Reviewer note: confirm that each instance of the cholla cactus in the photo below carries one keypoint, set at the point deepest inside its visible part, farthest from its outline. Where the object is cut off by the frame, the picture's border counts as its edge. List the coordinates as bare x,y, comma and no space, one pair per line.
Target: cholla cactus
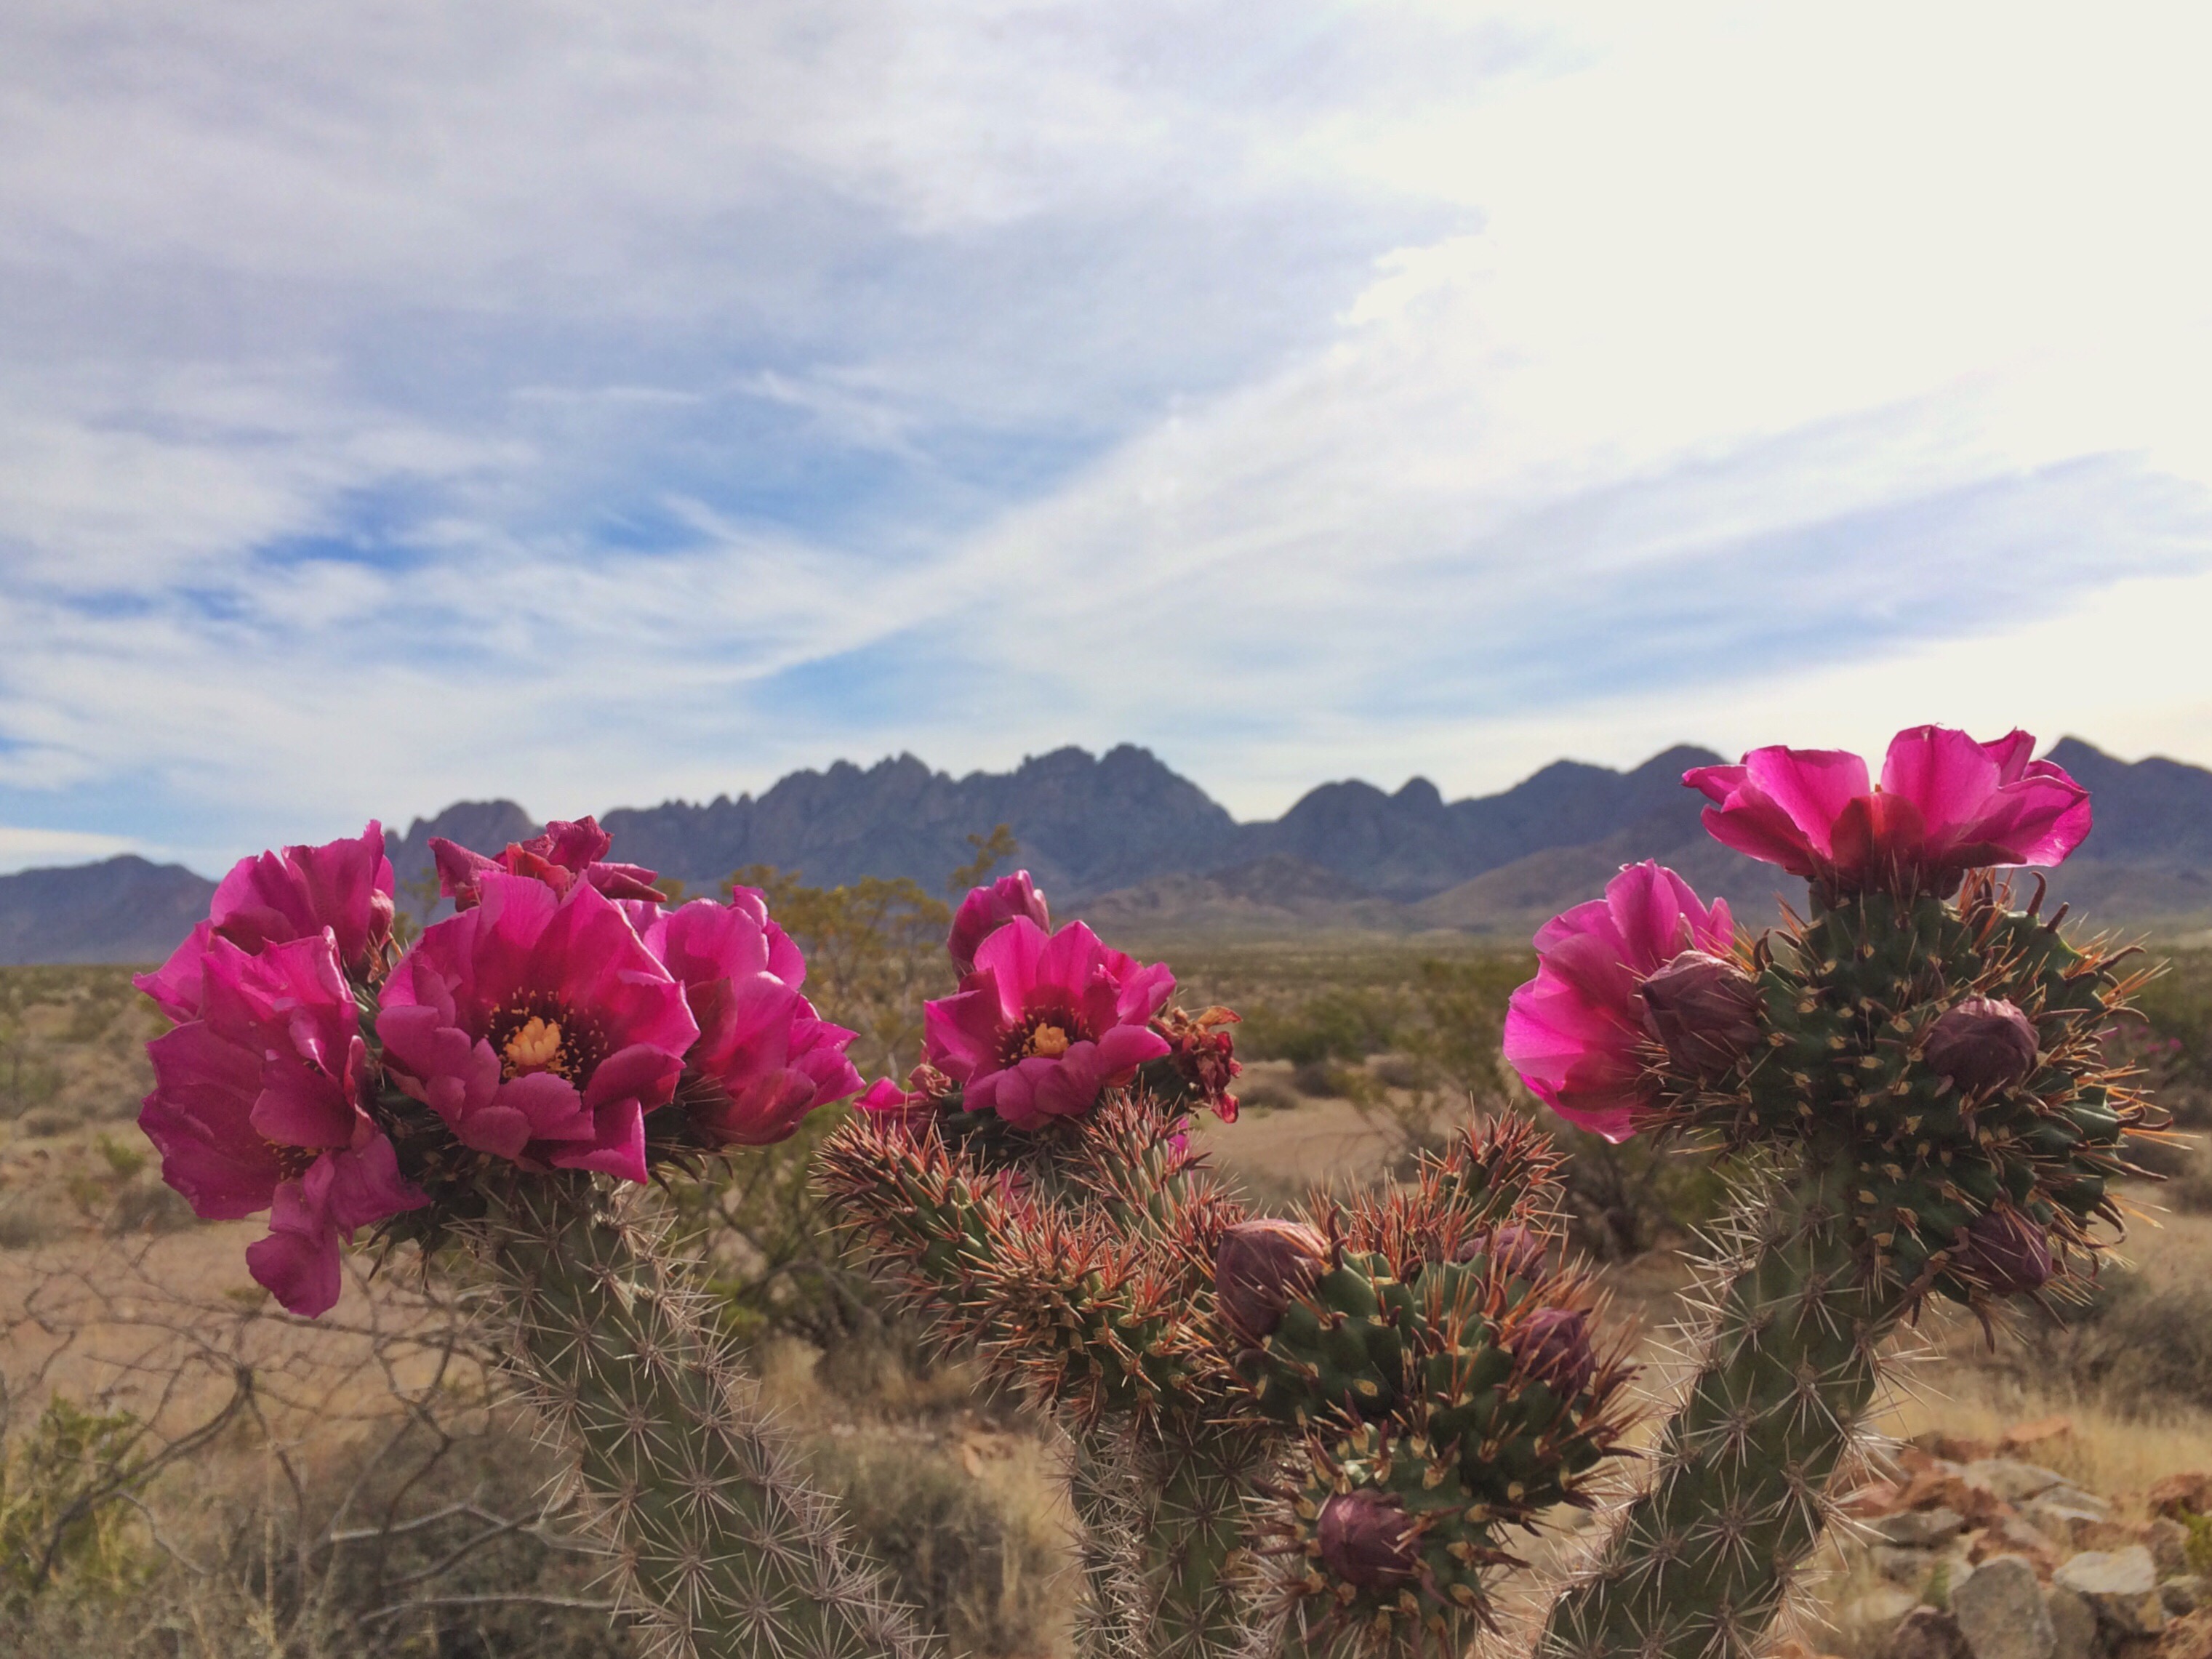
1317,1427
506,1084
1916,1068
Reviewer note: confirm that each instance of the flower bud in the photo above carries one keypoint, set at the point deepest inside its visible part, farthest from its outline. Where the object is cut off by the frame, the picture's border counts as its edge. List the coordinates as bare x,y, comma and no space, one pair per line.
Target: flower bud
2008,1252
1521,1251
1982,1045
1261,1268
1366,1539
1552,1346
1705,1010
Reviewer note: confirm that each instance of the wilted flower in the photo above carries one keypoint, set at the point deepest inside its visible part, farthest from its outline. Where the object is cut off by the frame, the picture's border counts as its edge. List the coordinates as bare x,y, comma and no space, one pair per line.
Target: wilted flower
2007,1252
274,898
1946,804
1705,1010
1573,1032
986,909
565,852
1201,1060
1046,1022
1552,1346
764,1058
1982,1045
257,1105
1366,1539
1261,1269
539,1027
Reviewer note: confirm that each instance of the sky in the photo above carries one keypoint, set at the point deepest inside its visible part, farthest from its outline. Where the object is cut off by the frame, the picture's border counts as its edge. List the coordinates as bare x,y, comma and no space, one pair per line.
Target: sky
402,402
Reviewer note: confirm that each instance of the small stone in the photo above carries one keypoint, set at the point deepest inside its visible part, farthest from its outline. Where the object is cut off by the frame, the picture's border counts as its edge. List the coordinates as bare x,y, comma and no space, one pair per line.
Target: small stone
1925,1633
2074,1627
2001,1613
2189,1636
1919,1528
2011,1479
2042,1430
2067,1523
2121,1586
1903,1564
2181,1594
1876,1610
2011,1535
2168,1544
2192,1491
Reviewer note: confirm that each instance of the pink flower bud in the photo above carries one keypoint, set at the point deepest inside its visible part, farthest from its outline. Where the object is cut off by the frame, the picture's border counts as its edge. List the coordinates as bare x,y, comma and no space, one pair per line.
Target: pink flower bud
1982,1045
1366,1539
1261,1268
1552,1346
1521,1251
1705,1010
2008,1252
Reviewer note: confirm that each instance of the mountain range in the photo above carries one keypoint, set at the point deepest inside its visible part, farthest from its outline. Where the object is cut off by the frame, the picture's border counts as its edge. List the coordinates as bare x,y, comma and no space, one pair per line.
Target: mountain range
1126,843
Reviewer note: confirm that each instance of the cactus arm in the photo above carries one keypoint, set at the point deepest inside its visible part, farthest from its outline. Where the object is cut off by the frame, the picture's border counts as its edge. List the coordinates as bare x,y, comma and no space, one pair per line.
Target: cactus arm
719,1542
1698,1565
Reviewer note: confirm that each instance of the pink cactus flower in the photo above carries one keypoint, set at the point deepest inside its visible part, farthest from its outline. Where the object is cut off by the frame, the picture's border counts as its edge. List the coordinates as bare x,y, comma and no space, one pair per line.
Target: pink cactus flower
538,1026
764,1059
888,1106
1946,804
565,851
1046,1022
257,1105
275,897
1573,1031
986,909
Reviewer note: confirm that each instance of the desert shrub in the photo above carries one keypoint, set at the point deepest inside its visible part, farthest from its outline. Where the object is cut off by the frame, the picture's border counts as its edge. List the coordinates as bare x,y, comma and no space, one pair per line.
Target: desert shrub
1335,1024
986,1566
2145,1347
58,1522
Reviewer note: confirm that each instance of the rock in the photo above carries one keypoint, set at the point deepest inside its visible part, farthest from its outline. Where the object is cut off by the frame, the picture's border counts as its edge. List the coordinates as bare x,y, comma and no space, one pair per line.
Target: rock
2001,1613
2192,1491
2073,1624
2066,1524
2012,1535
2188,1638
1921,1529
1875,1498
2010,1480
1903,1565
2167,1541
2043,1430
1925,1633
1875,1610
2121,1587
2181,1594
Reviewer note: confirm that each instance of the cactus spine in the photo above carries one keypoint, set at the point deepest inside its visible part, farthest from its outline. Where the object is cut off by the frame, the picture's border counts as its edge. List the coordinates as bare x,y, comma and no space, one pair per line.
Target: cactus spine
720,1543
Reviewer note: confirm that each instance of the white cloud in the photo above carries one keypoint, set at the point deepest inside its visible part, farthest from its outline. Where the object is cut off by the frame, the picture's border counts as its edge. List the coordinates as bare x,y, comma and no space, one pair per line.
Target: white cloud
31,849
401,404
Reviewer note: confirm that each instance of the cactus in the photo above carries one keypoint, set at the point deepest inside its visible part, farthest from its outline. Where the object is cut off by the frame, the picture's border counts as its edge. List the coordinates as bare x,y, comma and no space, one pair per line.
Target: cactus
1897,1180
721,1546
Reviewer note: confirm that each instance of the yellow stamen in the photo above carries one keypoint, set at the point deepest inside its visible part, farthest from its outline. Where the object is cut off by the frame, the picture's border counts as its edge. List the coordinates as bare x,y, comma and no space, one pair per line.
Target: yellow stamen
536,1048
1049,1041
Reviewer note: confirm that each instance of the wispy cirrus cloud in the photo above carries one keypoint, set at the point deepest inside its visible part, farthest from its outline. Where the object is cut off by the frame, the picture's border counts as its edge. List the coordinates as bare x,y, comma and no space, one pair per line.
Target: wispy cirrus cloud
594,406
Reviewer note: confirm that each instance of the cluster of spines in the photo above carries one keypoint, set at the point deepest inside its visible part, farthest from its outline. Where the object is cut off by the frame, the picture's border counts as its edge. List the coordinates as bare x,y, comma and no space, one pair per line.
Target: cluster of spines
719,1546
1406,1367
1058,1294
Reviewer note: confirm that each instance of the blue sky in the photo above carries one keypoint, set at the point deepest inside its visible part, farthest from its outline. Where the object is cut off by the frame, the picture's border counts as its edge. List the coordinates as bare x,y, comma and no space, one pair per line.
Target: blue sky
595,404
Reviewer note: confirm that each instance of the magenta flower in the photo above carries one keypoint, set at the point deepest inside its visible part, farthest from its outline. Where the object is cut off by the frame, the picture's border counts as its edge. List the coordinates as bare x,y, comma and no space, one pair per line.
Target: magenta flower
888,1106
276,898
1573,1032
1946,804
565,851
986,909
538,1026
1046,1022
764,1059
257,1103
